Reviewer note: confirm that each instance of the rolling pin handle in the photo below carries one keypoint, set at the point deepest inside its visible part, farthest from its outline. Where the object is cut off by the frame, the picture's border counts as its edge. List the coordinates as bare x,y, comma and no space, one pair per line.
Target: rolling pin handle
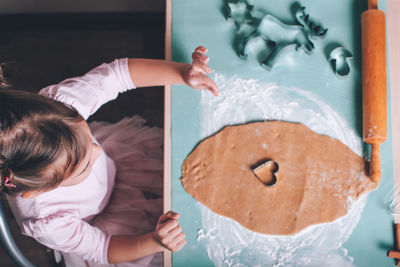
375,164
372,4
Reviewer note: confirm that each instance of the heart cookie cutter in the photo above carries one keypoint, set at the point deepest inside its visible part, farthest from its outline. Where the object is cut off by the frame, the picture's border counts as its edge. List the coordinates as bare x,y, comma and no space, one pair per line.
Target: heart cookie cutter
266,172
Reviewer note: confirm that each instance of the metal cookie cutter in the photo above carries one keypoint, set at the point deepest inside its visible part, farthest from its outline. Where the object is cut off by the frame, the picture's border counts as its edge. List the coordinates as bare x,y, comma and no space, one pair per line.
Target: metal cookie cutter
279,36
254,25
316,30
339,60
239,12
269,62
266,172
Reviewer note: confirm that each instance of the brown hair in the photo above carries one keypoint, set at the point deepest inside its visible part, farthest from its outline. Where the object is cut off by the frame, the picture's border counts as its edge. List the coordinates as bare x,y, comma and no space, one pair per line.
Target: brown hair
40,141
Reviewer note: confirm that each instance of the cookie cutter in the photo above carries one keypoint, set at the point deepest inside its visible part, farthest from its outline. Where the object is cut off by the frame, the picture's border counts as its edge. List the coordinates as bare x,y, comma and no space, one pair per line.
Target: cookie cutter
239,12
279,37
266,172
269,62
316,30
339,60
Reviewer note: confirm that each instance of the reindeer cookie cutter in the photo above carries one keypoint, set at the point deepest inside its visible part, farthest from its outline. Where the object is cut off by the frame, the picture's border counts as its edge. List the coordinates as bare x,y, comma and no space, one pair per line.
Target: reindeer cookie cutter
278,36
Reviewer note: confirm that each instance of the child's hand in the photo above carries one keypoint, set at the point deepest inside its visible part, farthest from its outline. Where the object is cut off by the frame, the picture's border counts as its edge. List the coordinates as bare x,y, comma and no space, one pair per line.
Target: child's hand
195,75
169,233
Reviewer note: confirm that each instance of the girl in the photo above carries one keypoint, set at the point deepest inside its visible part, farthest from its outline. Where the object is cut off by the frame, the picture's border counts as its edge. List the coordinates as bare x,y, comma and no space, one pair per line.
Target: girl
59,180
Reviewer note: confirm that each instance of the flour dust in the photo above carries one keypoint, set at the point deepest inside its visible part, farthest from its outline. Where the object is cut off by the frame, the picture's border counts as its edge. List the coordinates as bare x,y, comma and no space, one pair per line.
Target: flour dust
230,244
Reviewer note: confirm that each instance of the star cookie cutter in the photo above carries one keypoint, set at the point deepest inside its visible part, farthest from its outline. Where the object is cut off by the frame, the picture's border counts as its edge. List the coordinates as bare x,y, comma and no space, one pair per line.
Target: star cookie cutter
239,12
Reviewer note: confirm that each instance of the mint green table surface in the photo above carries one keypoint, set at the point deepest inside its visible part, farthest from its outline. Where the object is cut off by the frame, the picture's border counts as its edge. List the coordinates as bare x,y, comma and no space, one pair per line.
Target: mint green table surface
203,23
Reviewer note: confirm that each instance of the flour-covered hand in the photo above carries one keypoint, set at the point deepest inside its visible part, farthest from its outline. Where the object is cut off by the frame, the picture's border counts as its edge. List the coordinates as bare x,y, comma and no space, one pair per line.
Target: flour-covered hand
168,232
195,75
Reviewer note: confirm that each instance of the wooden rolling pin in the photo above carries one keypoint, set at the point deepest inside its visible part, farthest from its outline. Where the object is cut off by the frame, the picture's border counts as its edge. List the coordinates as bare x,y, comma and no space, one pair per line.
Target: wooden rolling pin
373,41
396,253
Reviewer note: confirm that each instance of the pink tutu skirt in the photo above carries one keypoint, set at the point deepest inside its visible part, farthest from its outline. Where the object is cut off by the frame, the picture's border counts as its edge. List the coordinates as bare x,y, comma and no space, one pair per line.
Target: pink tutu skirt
136,202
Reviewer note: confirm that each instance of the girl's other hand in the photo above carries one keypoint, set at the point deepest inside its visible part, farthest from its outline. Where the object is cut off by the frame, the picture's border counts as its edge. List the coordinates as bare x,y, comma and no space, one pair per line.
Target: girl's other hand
168,232
195,75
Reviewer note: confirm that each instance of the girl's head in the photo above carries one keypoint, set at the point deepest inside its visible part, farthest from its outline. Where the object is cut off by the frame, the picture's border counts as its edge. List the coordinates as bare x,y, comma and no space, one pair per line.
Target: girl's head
41,142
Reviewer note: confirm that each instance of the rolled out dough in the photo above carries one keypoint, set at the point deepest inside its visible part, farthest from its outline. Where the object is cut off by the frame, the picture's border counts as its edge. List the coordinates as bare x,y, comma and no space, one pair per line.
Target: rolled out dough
318,178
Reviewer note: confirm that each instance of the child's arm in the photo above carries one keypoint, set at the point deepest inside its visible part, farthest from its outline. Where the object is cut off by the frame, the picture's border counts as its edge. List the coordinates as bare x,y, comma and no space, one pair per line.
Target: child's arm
168,235
151,72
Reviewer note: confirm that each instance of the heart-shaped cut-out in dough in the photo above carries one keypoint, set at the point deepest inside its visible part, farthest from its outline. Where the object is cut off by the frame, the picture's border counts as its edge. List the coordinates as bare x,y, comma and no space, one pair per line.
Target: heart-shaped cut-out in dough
319,177
267,172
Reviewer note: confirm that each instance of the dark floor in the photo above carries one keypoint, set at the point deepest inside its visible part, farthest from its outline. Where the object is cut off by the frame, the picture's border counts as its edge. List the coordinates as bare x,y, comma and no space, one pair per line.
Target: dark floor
39,50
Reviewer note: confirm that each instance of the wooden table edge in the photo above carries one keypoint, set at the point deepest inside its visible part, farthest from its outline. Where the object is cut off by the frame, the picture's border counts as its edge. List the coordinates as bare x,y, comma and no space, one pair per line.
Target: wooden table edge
167,255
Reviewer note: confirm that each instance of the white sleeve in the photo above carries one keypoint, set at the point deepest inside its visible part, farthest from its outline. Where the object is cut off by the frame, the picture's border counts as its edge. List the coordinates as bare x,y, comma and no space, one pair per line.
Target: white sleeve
90,91
68,233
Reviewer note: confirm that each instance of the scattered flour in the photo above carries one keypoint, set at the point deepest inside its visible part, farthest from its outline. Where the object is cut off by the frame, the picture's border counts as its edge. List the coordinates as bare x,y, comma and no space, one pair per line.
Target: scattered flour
230,244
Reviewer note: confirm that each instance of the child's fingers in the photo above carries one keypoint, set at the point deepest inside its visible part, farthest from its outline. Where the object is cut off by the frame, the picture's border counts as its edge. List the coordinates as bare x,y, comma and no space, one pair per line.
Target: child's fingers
168,215
213,90
205,83
180,245
163,218
201,49
173,237
170,237
175,242
195,76
178,238
175,232
200,66
201,57
167,226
